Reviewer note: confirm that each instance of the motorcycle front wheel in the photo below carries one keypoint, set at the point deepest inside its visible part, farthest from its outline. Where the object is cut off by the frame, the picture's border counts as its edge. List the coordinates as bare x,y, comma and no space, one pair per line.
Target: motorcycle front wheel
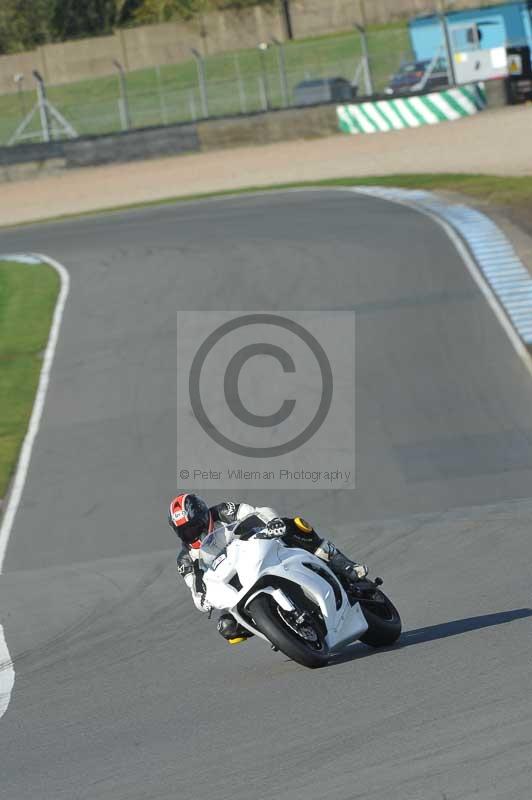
304,644
384,622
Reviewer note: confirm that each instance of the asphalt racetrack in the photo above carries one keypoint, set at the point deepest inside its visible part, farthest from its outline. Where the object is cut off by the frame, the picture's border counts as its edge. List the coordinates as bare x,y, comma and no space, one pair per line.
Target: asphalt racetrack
123,690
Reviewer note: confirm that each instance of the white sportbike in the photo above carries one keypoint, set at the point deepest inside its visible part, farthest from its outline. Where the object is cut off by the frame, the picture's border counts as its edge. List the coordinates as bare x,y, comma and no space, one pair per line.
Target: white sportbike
291,599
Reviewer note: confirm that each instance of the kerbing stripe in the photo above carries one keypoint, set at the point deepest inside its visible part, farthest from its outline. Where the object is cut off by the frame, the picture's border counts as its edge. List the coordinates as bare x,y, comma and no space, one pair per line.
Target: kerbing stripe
406,113
440,116
361,120
378,119
473,98
446,109
346,124
460,98
450,99
371,126
421,106
387,111
395,107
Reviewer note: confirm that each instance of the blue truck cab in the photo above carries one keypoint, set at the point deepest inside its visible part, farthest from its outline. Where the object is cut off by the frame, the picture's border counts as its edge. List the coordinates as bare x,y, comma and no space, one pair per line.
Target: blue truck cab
485,43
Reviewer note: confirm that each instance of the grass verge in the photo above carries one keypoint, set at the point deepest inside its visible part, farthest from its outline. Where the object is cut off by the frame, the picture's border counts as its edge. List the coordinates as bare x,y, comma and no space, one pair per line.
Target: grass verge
494,190
28,293
490,189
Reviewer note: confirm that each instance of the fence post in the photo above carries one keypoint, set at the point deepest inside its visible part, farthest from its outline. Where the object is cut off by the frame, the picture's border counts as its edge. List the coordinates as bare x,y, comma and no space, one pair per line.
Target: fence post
120,33
365,58
19,80
123,103
241,89
162,104
262,48
43,109
200,66
192,105
448,48
281,61
287,17
262,93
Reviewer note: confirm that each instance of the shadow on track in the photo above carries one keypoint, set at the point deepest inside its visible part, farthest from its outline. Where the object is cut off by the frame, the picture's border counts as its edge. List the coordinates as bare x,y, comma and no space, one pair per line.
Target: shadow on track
434,632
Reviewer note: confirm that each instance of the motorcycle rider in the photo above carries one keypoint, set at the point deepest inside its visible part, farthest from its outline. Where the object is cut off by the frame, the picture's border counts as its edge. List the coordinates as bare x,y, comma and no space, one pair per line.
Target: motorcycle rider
197,525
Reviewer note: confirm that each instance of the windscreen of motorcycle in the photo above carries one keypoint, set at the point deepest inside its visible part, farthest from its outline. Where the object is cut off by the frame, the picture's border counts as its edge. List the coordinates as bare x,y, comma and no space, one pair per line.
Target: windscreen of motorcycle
214,544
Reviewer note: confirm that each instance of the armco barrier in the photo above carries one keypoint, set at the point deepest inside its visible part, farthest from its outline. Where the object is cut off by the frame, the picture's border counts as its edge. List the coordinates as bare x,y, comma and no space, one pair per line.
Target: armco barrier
395,114
28,161
31,160
137,145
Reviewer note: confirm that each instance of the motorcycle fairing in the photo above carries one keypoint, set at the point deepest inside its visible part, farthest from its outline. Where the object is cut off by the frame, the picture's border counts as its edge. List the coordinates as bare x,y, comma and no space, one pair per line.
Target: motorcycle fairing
258,559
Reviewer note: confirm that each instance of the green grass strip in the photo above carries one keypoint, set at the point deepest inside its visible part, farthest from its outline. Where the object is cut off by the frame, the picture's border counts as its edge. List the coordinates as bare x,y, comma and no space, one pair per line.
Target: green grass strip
490,189
28,293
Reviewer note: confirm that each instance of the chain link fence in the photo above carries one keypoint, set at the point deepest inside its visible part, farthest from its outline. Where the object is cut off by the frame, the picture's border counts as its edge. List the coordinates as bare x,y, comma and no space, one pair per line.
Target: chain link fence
267,77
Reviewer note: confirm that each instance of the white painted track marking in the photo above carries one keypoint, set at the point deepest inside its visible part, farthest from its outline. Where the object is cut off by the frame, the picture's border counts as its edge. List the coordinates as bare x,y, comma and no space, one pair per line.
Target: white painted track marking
7,672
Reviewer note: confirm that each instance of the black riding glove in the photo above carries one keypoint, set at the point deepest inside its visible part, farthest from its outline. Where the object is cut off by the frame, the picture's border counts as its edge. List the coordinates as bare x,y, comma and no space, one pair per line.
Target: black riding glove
275,528
227,511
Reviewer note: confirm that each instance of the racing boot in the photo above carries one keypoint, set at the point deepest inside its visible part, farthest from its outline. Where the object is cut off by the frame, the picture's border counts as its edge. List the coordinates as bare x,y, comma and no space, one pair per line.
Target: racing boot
232,632
346,570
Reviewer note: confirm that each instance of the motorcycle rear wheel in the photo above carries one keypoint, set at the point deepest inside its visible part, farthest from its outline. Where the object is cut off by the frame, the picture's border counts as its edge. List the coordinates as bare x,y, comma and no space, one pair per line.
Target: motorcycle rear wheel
384,622
268,620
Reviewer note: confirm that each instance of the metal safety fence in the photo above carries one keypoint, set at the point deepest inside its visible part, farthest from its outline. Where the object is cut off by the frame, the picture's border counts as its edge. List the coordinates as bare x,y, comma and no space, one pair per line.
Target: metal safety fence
273,75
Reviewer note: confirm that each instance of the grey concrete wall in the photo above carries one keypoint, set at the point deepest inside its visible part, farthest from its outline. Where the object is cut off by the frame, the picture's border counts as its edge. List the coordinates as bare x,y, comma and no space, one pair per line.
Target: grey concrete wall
29,170
28,161
133,146
25,161
496,93
141,47
277,126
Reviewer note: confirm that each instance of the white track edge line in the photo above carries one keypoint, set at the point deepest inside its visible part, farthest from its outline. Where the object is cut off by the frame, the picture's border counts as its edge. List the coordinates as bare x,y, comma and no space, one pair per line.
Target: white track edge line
7,671
23,463
472,266
7,674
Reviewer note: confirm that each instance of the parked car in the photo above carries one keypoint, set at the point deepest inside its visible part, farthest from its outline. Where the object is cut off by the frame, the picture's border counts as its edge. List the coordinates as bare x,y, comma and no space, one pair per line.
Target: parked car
410,77
323,90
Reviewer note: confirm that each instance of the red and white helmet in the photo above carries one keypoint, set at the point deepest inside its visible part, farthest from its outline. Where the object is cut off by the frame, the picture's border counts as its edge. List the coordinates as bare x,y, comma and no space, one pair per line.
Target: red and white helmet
190,518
